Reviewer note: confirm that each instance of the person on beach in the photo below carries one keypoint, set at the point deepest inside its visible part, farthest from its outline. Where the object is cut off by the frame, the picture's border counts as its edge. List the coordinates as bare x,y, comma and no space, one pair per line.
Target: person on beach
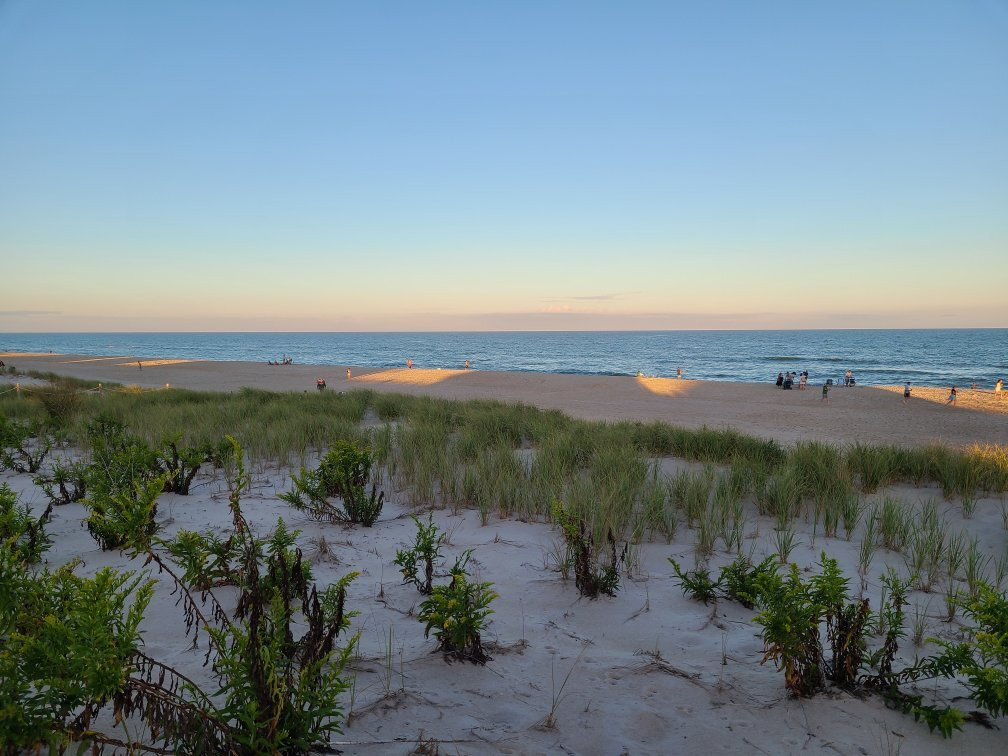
825,392
320,383
409,364
780,380
467,364
997,388
139,365
802,380
678,373
906,392
348,374
951,397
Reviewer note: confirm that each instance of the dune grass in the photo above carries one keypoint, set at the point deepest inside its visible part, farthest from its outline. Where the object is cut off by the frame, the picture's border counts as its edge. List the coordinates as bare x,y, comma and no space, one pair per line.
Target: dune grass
514,461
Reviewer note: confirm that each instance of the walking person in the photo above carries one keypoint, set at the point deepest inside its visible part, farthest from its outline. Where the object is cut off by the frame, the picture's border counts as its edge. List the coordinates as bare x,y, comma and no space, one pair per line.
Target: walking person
951,397
997,389
906,392
678,373
825,391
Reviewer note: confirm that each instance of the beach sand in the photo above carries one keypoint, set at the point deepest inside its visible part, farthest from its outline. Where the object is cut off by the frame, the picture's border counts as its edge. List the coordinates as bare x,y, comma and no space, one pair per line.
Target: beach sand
863,413
650,671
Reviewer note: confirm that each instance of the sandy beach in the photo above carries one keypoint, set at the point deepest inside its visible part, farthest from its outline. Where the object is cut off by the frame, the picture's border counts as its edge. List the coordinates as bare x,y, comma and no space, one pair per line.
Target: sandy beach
863,413
646,672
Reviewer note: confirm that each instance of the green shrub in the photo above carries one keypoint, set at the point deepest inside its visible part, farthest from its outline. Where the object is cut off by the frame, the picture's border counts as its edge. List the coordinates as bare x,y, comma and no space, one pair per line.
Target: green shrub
791,612
66,646
70,478
125,518
457,613
696,583
425,553
24,445
343,473
740,580
20,533
594,572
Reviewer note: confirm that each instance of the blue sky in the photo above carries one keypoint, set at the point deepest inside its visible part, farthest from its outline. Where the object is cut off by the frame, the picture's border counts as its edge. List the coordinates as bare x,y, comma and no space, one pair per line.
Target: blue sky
546,165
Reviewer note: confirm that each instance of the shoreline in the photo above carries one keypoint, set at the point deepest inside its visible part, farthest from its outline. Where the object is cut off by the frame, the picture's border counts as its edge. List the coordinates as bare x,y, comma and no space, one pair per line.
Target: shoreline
873,414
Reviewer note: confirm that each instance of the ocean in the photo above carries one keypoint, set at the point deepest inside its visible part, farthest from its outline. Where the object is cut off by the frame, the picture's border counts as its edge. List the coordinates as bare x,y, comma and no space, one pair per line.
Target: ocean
929,357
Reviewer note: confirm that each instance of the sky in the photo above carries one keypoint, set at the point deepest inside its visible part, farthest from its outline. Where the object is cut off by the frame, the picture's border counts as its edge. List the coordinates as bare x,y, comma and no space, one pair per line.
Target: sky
356,166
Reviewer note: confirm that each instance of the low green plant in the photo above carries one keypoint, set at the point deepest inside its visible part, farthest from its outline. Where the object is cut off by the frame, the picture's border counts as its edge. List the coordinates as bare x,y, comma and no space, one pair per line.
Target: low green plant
24,445
67,646
125,519
696,583
343,473
792,611
65,483
457,614
740,581
425,552
277,693
181,464
20,532
207,560
594,572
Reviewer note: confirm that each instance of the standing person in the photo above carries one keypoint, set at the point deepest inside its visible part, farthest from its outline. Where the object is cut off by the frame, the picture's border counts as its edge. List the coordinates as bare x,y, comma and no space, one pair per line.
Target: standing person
780,380
906,392
409,363
467,364
348,374
678,373
825,392
139,365
951,397
997,389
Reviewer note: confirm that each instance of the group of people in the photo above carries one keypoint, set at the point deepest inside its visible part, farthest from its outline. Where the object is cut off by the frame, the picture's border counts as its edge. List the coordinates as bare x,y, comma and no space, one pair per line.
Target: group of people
285,361
787,380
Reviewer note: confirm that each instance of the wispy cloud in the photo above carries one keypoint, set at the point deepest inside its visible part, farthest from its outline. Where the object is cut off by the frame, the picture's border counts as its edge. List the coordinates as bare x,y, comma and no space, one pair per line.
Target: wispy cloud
22,313
588,298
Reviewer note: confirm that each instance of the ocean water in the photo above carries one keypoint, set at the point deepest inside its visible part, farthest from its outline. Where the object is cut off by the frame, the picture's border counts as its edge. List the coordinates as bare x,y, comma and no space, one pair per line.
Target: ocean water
924,357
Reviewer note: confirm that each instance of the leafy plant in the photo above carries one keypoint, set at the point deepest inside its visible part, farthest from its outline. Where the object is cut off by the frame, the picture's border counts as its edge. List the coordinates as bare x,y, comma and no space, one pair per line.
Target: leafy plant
24,445
125,518
180,465
593,574
740,580
424,554
21,533
457,613
208,561
279,693
67,646
69,477
697,583
343,473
